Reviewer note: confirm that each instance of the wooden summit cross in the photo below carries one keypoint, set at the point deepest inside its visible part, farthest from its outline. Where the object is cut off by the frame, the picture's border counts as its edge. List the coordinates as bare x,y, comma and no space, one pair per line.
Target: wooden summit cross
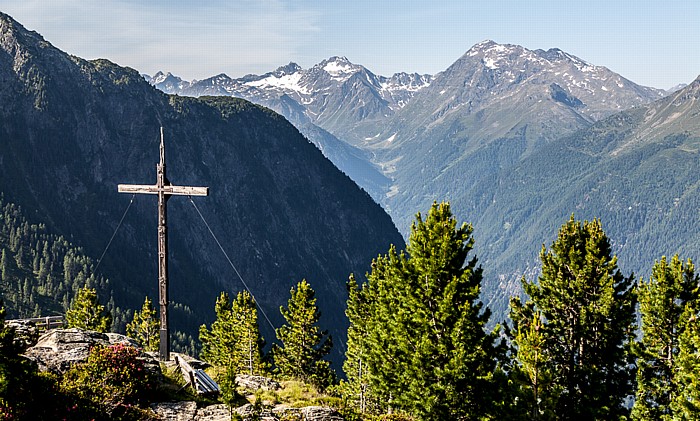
164,190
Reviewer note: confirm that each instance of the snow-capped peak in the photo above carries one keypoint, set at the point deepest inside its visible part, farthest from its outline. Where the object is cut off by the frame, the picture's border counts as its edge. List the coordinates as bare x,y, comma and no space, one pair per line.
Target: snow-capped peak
160,77
287,69
339,67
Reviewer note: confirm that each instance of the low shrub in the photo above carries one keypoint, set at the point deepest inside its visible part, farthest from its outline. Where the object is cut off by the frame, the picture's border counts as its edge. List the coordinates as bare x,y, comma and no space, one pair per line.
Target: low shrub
112,381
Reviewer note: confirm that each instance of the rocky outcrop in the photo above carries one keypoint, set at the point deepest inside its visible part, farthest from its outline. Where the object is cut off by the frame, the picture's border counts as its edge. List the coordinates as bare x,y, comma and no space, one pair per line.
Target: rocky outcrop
26,332
58,349
256,382
187,411
175,411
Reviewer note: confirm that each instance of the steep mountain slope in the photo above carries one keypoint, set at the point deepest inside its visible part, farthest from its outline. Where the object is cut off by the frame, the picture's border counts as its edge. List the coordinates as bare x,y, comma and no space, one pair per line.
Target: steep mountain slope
71,130
492,106
330,103
636,170
519,139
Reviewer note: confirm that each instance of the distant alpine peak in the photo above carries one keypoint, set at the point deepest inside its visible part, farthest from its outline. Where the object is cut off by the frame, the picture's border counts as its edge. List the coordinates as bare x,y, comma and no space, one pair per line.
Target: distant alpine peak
287,69
491,47
338,66
495,55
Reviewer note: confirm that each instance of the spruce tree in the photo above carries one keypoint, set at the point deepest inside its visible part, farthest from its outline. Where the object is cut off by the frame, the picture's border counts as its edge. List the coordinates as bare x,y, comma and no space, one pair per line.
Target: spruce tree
87,313
587,322
423,344
145,327
303,343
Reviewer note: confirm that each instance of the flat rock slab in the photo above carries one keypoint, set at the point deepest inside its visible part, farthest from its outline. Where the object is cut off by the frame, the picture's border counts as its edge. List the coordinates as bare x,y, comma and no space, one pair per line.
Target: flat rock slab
256,382
58,349
176,411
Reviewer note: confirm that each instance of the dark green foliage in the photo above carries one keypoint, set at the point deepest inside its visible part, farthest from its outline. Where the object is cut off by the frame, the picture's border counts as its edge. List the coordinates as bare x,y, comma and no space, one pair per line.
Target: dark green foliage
686,402
227,382
98,126
24,394
145,328
12,370
234,340
86,312
419,328
109,382
303,343
41,272
666,304
573,334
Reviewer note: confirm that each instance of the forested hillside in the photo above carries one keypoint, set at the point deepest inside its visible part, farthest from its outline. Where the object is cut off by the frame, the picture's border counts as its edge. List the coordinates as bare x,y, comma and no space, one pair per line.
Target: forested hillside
71,130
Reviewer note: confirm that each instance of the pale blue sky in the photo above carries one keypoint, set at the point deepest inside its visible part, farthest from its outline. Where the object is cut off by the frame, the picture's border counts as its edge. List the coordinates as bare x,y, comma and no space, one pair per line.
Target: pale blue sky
654,43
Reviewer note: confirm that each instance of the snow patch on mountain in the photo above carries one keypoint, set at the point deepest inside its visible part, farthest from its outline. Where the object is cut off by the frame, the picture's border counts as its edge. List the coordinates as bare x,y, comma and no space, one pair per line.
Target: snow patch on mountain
284,82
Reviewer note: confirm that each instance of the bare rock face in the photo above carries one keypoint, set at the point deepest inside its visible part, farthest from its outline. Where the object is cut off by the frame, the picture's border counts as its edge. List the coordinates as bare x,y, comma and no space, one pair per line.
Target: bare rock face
58,349
308,413
218,412
187,411
25,331
175,411
256,382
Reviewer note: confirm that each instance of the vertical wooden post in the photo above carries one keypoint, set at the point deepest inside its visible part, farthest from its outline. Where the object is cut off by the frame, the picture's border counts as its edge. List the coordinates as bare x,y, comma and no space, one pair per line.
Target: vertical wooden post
162,255
164,190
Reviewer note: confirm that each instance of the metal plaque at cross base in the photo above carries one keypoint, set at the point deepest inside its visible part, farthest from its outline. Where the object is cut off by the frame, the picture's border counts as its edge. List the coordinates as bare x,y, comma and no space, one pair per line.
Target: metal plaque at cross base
164,190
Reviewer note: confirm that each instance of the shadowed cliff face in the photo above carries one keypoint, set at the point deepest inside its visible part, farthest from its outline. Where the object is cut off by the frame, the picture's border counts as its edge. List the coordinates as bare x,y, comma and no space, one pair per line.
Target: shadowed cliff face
71,130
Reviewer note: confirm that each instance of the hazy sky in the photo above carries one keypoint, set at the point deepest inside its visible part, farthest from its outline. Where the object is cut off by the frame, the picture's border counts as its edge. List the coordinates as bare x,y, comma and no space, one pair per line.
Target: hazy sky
654,43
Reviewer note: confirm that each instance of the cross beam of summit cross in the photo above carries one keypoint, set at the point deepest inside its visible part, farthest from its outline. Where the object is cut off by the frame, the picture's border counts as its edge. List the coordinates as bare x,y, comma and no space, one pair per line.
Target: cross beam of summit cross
164,190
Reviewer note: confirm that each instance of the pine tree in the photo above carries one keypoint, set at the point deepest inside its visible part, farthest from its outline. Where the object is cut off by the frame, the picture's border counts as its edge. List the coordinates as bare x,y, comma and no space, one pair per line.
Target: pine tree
87,313
356,387
303,344
686,402
217,342
4,267
247,354
145,327
662,302
234,340
587,313
532,375
424,343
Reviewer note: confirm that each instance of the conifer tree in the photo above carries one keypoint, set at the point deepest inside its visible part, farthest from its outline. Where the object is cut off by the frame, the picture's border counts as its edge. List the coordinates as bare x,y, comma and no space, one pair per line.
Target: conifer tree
587,323
145,327
234,340
303,343
217,342
686,402
247,355
662,303
87,313
4,266
356,387
424,343
532,376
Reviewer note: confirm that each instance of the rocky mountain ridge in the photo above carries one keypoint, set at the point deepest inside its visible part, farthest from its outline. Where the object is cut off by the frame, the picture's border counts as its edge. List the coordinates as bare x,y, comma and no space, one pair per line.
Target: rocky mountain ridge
73,129
467,135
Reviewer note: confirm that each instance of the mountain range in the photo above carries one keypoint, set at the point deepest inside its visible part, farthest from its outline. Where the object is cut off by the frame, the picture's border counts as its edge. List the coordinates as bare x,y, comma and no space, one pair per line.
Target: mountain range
512,137
72,129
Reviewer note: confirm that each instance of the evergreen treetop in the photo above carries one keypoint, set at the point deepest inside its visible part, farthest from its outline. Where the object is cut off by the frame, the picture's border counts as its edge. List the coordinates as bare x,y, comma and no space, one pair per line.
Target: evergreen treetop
303,343
86,312
587,319
418,327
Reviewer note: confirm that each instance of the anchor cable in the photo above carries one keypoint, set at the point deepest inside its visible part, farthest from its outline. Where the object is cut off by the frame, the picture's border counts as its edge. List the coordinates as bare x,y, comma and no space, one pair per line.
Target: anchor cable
114,233
232,265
